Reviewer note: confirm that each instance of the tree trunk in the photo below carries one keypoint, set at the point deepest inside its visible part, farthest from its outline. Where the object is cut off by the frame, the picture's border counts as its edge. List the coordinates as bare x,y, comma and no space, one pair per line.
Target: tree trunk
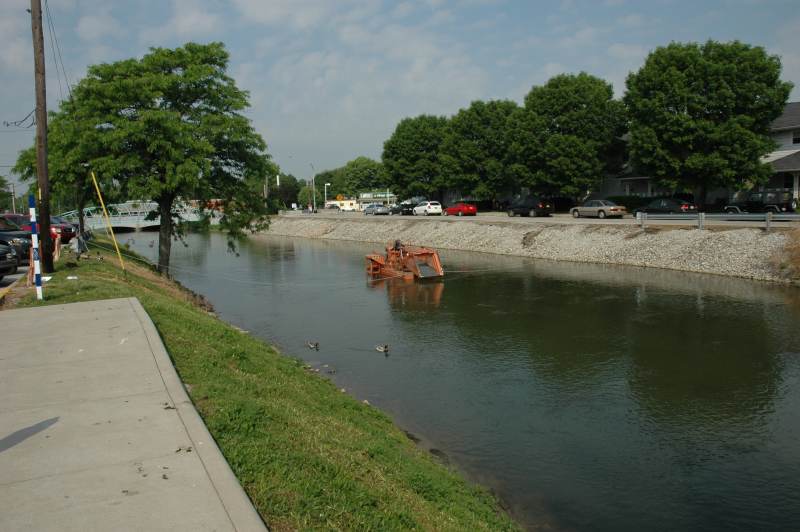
164,234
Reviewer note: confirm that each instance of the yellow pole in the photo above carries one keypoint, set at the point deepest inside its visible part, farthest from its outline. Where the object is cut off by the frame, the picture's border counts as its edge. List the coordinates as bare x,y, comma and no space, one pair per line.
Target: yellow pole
108,221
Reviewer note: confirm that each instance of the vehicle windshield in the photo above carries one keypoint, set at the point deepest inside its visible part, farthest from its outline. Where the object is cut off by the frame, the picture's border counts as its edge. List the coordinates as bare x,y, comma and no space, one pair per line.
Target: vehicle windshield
608,203
434,203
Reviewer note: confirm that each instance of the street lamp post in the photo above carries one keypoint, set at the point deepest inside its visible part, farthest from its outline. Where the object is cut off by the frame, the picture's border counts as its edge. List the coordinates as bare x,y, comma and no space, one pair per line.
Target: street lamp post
326,195
313,188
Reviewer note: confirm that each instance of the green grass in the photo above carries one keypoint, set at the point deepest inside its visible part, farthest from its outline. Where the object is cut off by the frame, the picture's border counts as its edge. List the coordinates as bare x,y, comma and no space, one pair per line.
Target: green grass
309,456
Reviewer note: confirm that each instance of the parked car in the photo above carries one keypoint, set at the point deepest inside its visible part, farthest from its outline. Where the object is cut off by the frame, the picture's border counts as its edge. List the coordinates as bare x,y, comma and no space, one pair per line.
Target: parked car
531,206
12,235
404,208
668,206
66,230
62,220
375,209
8,260
461,209
776,201
599,209
428,208
333,207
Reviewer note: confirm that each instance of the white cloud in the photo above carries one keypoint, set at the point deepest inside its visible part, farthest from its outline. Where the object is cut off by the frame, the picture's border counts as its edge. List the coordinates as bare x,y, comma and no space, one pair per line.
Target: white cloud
785,47
191,18
628,52
582,38
16,50
299,14
633,20
97,26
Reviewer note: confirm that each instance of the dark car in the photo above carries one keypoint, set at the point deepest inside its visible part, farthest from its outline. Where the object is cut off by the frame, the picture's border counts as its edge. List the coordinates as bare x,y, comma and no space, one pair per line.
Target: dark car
668,206
65,230
12,235
8,260
405,208
776,201
531,206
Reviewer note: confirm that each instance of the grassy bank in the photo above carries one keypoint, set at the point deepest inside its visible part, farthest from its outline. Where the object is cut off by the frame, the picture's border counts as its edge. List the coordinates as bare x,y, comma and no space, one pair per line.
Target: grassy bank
308,455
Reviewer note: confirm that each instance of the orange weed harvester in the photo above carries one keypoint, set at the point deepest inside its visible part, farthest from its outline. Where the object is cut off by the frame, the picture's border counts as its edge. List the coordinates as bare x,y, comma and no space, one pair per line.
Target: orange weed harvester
408,262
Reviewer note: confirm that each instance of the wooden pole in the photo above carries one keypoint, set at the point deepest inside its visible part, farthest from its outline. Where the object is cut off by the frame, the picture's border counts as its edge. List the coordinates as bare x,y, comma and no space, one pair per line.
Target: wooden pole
41,137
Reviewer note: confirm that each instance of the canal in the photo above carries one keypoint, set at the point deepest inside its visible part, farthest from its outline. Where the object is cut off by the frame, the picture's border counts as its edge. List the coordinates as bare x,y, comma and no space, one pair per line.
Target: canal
587,397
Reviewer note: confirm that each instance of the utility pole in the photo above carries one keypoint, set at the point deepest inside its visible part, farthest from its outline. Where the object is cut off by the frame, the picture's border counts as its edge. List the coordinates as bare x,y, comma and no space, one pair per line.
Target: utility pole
13,199
43,216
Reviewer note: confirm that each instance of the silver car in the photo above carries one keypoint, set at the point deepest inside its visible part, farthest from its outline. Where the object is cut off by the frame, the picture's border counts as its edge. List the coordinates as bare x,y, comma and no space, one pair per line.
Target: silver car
599,209
375,209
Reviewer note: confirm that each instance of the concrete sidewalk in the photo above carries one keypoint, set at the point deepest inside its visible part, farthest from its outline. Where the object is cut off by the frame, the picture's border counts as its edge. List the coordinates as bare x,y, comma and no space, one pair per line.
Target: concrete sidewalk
97,432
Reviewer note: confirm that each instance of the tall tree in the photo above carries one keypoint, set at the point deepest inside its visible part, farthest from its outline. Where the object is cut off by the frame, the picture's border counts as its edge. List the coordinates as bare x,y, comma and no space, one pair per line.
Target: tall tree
172,129
576,136
287,191
5,194
305,197
700,114
474,152
363,174
411,156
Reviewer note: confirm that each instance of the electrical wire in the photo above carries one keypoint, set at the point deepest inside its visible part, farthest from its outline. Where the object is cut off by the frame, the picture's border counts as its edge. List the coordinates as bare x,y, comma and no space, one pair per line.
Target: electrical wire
59,58
53,48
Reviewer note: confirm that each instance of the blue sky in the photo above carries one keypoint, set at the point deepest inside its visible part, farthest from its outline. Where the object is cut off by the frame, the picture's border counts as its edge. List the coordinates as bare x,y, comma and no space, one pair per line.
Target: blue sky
330,79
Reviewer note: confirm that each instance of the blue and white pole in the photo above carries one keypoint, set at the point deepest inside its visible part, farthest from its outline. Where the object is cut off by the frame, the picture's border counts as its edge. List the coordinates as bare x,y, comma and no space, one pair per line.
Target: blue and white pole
37,266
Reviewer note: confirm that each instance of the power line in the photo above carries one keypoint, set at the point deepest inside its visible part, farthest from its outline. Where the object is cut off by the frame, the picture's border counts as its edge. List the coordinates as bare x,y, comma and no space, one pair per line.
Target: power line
58,47
19,123
50,32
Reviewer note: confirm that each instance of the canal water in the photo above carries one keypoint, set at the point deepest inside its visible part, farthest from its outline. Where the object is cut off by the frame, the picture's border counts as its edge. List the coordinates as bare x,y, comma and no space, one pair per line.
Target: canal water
587,397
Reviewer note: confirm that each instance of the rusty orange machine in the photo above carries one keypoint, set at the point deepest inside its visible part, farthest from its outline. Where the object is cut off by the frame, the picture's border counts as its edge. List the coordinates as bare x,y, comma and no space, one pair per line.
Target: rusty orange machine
408,262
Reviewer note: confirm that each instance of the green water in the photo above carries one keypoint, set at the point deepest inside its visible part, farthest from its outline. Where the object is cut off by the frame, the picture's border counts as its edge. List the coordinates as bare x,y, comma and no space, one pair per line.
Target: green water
587,397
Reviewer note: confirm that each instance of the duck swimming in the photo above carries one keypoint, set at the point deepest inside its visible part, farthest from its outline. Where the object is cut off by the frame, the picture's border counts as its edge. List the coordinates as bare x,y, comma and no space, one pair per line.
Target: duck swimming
313,345
382,348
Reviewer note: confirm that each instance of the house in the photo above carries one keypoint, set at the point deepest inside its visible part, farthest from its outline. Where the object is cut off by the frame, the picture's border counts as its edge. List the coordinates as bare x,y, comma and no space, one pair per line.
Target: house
786,159
785,131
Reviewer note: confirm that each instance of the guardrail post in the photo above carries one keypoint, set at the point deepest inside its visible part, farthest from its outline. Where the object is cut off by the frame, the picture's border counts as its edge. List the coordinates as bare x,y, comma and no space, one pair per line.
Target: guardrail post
701,220
768,221
641,218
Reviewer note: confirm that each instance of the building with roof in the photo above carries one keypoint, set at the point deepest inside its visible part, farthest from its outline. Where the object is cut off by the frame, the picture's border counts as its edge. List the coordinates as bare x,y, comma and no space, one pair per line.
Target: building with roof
785,161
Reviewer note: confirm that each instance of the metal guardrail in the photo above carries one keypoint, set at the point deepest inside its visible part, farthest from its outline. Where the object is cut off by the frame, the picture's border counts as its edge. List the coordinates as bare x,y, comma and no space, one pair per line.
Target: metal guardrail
701,218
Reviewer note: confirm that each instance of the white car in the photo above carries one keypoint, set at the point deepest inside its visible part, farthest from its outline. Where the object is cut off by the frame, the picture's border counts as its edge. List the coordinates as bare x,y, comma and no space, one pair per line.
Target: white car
428,208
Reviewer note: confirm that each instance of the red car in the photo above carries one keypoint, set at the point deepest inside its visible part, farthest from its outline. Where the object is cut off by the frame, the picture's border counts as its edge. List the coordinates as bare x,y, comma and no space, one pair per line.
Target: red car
461,209
66,230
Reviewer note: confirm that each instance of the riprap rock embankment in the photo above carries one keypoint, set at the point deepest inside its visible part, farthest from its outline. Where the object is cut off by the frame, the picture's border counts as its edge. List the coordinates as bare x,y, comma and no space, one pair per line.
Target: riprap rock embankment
740,252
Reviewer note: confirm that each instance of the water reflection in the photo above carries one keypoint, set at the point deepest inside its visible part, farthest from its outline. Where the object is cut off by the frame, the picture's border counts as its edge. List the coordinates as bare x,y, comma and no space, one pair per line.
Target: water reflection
410,294
587,396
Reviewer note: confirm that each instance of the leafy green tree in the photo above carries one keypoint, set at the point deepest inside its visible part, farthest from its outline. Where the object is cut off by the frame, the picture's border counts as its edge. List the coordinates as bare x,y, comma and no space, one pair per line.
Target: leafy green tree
568,135
474,152
700,114
305,197
287,191
363,174
5,194
411,156
171,127
74,147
